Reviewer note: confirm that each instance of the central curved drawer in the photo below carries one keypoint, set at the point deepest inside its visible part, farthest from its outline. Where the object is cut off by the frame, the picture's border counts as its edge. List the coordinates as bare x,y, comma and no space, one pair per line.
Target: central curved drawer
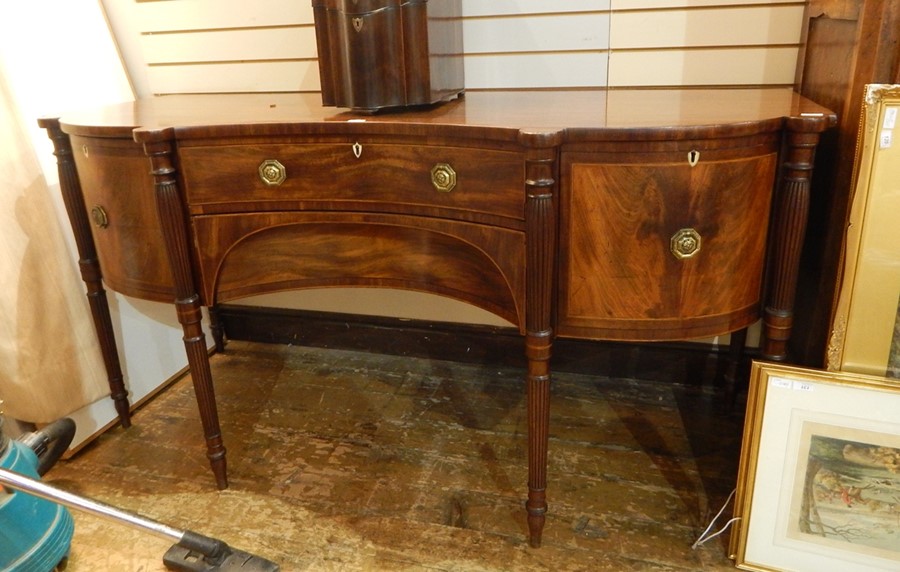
456,182
253,253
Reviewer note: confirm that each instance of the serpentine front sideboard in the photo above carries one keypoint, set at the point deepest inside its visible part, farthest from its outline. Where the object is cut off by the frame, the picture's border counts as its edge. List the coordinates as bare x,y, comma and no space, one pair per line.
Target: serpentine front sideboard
614,215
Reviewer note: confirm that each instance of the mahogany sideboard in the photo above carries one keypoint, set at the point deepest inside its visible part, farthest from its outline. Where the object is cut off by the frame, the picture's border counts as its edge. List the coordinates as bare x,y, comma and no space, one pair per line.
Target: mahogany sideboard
615,215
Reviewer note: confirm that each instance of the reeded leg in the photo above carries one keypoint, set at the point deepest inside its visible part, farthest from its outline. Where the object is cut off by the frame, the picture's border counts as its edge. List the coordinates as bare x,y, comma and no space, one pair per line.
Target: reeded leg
791,213
90,267
90,272
190,317
173,221
540,223
538,351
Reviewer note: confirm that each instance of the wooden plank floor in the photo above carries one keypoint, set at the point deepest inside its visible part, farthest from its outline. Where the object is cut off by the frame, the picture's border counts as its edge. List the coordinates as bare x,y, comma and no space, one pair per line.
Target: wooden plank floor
343,460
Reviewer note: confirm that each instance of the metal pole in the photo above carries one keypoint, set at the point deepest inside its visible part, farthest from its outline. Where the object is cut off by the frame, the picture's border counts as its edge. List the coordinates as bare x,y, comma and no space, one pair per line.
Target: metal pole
42,490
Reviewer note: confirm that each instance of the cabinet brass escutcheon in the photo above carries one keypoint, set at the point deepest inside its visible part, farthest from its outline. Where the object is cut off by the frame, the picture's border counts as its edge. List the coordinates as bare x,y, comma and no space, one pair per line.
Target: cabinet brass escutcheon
272,173
98,215
443,177
685,243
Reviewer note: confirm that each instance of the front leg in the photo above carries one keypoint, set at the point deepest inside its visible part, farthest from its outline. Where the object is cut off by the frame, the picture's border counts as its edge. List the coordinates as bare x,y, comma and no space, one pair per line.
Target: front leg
790,220
537,349
540,231
173,220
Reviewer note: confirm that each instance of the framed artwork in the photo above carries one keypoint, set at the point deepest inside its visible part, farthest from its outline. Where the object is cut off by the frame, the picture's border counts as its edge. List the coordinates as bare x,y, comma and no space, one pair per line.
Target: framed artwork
819,476
865,330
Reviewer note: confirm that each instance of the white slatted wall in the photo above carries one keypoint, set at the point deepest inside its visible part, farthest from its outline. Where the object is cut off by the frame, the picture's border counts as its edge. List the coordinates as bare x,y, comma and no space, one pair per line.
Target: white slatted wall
193,46
704,42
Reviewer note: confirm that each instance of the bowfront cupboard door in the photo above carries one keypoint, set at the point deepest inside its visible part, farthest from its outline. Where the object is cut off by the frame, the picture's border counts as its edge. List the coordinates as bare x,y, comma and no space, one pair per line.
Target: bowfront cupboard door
664,244
120,203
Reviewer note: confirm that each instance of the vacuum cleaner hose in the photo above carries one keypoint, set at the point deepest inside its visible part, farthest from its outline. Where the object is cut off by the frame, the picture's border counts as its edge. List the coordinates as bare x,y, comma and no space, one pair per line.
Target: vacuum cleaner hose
50,442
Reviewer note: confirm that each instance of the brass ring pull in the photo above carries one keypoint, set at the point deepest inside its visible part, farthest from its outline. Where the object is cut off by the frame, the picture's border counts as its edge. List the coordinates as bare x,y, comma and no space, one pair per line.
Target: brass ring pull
272,173
443,177
685,243
98,215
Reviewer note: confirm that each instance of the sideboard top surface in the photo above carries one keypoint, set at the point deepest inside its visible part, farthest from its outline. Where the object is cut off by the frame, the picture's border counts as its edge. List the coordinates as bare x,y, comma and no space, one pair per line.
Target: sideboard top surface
493,114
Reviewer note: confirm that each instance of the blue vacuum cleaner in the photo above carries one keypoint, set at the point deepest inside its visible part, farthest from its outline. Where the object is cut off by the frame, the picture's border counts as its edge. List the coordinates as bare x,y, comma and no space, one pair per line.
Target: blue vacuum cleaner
36,529
34,534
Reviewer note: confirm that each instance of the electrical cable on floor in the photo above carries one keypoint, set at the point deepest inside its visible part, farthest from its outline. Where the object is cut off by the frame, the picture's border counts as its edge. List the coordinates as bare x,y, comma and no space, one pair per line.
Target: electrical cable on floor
706,536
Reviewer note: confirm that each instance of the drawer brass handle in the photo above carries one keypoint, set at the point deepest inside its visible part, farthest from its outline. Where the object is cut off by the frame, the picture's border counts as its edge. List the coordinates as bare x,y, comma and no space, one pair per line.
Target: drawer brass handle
98,215
272,173
443,177
685,243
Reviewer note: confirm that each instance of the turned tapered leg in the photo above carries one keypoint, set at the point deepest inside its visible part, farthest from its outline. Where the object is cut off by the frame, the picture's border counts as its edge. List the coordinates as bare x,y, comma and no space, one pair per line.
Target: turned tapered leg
791,213
540,223
538,351
173,222
90,267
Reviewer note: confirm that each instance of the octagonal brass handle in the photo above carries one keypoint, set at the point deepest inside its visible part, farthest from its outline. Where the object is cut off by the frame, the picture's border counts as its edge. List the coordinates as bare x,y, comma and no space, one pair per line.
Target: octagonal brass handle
443,177
685,243
99,216
272,173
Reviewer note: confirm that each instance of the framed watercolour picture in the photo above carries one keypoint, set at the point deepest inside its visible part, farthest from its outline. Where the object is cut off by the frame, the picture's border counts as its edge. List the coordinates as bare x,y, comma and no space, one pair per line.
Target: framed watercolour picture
819,476
865,330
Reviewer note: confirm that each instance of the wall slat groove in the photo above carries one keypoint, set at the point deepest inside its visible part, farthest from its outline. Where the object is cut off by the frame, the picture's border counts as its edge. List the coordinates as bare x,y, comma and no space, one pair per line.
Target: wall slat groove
222,62
658,5
233,29
688,49
719,6
536,15
536,52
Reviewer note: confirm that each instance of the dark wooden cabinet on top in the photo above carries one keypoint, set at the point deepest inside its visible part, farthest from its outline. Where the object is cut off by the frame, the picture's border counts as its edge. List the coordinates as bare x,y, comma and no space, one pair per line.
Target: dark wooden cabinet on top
376,54
626,215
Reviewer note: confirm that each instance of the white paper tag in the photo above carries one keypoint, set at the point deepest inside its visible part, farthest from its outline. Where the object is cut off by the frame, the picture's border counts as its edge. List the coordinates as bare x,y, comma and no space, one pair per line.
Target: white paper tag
890,118
792,384
781,383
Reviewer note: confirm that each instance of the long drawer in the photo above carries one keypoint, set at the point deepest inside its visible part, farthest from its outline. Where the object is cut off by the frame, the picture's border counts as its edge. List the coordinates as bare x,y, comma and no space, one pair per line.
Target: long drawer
455,182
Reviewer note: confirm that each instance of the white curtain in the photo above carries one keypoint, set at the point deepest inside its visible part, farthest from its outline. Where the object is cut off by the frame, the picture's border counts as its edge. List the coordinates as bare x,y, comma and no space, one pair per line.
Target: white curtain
50,361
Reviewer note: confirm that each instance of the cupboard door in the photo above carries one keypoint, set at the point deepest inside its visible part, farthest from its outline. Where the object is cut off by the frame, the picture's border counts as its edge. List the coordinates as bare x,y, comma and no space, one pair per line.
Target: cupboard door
662,249
121,203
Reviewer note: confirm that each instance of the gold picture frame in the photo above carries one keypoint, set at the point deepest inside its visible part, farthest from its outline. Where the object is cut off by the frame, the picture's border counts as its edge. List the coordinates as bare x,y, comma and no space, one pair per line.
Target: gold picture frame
865,328
819,475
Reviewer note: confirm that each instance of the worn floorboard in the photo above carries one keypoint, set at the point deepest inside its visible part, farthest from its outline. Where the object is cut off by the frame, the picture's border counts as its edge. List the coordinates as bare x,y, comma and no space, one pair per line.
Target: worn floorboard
343,460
